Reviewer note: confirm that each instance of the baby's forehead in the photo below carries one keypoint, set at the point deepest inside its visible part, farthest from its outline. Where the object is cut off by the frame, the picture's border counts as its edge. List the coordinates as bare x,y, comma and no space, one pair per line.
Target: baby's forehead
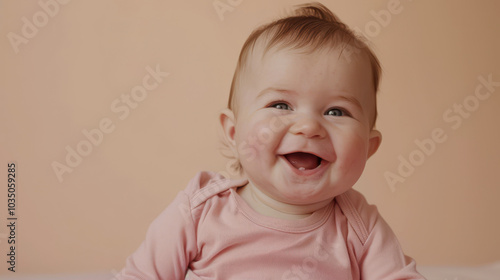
261,52
279,56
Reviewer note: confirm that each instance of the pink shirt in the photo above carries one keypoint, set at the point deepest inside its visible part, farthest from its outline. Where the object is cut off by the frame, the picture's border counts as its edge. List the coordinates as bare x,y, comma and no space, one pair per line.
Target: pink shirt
212,232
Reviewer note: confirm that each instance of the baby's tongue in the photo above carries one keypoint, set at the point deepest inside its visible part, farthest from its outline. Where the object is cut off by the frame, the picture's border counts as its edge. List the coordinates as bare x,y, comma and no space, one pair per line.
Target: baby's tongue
304,160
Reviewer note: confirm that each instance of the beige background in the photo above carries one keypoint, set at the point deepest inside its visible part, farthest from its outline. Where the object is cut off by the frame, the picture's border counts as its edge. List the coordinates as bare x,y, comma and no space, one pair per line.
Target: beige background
89,53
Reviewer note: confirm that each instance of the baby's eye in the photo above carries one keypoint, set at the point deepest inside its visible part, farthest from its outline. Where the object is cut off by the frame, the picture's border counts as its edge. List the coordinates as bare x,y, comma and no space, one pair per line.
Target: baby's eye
281,106
336,112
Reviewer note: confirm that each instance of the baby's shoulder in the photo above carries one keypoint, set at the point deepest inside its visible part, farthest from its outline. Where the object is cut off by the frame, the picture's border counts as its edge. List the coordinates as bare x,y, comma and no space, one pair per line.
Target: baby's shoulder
360,215
207,184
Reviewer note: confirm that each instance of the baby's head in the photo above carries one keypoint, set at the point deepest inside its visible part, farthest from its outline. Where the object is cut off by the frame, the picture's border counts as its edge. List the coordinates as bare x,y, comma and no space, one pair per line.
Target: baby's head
302,107
313,27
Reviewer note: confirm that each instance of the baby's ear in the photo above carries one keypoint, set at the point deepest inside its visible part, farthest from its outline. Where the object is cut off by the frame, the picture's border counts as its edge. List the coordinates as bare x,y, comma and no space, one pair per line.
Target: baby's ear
228,124
374,141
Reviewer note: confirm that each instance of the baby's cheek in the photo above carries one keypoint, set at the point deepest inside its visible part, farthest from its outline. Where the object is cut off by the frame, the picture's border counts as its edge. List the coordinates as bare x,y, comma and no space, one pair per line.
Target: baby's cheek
262,136
354,154
258,139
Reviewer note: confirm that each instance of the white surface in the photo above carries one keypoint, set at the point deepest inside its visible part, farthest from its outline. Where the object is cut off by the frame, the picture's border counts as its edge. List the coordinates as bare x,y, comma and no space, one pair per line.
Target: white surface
485,272
87,276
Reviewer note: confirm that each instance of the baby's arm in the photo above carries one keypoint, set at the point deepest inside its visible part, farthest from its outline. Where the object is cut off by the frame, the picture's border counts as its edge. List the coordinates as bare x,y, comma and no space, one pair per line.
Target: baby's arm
383,257
169,247
377,249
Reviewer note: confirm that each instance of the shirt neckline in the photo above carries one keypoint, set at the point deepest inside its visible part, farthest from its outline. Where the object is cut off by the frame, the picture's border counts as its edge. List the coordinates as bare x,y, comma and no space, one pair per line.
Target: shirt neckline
309,223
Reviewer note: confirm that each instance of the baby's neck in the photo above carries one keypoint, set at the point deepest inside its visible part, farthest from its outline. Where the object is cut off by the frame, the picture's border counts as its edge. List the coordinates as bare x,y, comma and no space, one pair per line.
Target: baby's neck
267,206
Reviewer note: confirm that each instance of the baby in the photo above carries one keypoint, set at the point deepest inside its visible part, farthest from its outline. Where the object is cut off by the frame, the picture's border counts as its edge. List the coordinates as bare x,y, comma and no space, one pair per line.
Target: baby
300,124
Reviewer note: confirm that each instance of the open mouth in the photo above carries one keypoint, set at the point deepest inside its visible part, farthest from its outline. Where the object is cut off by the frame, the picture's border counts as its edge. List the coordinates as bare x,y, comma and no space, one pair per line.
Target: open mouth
303,161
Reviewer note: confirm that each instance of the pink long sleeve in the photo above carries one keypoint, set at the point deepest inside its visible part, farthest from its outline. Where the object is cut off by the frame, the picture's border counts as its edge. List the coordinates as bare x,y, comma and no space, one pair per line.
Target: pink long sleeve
211,232
379,254
169,247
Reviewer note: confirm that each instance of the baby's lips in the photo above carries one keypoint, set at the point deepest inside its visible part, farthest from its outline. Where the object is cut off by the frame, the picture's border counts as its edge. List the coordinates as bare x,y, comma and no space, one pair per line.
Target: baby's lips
328,157
303,160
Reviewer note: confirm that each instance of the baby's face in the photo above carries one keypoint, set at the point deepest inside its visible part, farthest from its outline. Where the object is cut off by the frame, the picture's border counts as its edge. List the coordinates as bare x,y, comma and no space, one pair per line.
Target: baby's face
302,132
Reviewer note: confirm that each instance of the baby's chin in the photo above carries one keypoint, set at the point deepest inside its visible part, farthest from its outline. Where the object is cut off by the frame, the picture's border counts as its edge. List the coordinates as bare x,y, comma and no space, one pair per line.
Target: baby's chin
321,189
306,195
308,200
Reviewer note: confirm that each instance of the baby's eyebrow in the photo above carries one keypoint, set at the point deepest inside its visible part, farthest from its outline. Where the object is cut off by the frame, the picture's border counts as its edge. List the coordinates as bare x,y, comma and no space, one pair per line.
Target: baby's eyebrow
270,89
353,100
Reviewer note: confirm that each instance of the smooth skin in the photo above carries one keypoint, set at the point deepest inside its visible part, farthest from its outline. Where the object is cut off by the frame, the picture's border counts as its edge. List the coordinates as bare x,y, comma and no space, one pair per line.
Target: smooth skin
320,103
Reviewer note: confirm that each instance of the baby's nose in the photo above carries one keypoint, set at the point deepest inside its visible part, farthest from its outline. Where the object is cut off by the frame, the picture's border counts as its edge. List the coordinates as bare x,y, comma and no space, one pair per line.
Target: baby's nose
308,127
